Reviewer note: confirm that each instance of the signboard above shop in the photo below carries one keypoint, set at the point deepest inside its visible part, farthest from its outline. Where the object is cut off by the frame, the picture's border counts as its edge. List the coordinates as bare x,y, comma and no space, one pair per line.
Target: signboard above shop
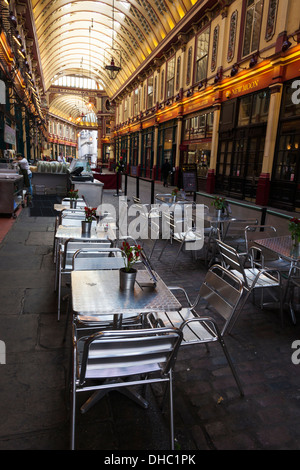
9,135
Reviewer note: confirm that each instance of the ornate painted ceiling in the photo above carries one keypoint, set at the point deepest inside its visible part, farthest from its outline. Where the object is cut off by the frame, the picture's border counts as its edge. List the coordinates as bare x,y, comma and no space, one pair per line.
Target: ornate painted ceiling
81,37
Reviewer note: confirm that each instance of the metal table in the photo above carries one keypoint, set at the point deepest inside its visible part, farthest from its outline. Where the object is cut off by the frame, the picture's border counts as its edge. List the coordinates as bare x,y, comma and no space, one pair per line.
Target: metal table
284,247
98,292
97,232
169,200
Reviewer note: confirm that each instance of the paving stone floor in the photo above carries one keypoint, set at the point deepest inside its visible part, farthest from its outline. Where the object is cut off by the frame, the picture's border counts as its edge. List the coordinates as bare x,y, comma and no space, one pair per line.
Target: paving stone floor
209,412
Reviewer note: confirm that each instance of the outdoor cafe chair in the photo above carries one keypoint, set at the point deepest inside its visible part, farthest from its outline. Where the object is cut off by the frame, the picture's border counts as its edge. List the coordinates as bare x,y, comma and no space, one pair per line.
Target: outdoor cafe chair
253,277
221,292
235,233
293,284
122,359
184,235
65,260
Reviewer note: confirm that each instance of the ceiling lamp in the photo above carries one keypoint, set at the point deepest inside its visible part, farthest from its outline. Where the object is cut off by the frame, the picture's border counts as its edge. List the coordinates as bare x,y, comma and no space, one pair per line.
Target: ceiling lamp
112,56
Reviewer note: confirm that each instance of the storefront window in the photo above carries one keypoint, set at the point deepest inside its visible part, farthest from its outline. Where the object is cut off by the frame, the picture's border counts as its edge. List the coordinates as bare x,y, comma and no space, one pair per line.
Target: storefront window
254,109
288,151
244,111
198,126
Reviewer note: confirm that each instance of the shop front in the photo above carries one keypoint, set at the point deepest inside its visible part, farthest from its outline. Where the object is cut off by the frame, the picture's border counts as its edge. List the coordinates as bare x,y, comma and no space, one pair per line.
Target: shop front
285,190
242,132
196,144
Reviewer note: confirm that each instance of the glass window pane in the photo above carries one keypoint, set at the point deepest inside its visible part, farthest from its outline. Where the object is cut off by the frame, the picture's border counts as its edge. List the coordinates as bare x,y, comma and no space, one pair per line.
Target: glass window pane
248,32
256,26
244,111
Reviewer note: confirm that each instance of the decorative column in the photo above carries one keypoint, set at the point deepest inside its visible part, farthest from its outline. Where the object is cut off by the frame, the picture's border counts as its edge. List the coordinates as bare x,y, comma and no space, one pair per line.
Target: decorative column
140,151
211,175
263,186
178,142
155,147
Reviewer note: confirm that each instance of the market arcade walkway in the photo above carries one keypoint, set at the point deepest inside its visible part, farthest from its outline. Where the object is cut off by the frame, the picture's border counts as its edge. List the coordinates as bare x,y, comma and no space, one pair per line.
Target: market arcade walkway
209,413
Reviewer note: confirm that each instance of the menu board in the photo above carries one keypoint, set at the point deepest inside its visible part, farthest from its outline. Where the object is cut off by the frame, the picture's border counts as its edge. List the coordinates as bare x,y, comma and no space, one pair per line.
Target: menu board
189,179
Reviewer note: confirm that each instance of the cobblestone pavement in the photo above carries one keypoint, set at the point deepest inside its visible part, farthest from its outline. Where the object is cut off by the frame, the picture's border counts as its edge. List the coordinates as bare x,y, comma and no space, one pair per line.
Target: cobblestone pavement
209,412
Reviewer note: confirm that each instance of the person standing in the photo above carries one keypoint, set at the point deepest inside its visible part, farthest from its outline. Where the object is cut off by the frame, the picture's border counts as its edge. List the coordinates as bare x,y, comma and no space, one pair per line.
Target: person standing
25,171
165,170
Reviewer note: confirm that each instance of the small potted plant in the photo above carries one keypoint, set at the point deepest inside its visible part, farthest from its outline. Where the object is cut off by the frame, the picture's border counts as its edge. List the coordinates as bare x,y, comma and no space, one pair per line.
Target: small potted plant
219,205
131,255
175,194
90,215
73,195
294,229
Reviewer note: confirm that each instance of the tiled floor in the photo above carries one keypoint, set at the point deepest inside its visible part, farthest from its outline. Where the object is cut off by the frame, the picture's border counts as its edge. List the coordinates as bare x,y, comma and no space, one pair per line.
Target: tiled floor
7,221
209,412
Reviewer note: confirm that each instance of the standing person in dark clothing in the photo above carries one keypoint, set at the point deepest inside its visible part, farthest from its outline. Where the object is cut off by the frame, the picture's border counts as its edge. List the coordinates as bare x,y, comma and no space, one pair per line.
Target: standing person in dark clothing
165,170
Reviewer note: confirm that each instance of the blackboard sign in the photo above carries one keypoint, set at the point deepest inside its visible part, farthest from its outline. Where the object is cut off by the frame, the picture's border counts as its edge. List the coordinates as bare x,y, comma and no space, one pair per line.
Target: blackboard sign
189,179
133,170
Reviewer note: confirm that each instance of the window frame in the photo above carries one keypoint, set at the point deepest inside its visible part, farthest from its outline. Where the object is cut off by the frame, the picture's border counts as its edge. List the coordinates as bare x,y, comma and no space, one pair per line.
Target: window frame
247,9
202,58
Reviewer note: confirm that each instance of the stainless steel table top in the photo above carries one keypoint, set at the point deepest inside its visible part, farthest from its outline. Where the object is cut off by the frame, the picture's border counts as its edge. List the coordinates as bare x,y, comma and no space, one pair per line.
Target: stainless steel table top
98,292
97,232
283,246
169,200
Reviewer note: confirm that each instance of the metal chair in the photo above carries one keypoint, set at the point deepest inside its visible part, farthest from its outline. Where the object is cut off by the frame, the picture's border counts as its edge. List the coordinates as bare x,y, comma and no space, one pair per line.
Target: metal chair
253,277
65,260
187,236
265,257
116,360
235,233
293,283
220,291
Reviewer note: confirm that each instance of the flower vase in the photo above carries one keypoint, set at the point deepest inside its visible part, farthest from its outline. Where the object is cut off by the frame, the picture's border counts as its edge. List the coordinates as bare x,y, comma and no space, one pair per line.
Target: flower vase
73,203
174,198
127,278
218,213
86,227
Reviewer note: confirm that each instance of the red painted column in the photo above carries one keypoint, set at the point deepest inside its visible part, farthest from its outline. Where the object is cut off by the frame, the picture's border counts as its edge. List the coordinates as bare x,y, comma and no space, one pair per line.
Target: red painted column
210,183
263,189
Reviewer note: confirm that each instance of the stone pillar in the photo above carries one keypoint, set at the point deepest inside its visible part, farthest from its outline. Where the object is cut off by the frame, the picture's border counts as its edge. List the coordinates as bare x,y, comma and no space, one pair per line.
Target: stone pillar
210,183
263,186
155,148
140,153
178,143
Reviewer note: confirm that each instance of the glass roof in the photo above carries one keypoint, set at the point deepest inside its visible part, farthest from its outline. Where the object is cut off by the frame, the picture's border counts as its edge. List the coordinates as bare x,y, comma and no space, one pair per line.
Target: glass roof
80,37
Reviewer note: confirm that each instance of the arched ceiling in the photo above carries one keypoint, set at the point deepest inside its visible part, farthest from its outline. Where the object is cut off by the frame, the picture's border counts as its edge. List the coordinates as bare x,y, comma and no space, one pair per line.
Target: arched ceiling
82,36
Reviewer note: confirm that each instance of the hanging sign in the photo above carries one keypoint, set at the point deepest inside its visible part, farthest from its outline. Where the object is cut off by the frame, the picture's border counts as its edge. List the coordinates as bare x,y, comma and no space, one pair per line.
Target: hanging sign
9,135
2,92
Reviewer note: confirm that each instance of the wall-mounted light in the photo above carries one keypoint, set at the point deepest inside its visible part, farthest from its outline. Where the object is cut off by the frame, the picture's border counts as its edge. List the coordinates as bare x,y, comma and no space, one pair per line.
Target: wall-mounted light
22,52
234,70
217,78
17,38
253,61
13,19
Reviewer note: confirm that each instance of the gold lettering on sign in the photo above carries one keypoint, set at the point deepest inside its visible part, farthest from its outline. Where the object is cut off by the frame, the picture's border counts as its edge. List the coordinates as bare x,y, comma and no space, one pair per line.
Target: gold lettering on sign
245,87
